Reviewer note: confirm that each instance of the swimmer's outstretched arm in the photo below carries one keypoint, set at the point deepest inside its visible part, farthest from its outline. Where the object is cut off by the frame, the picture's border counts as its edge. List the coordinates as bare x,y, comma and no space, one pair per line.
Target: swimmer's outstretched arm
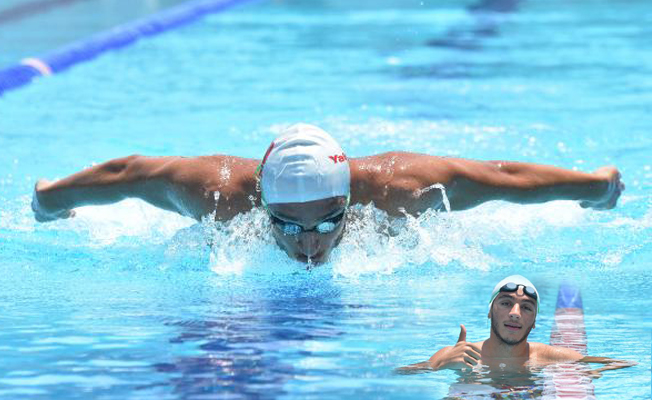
526,183
556,354
462,355
610,364
408,181
192,187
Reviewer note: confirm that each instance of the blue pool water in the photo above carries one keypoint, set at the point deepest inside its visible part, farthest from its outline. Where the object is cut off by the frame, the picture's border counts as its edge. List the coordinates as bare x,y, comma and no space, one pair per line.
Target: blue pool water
126,301
33,27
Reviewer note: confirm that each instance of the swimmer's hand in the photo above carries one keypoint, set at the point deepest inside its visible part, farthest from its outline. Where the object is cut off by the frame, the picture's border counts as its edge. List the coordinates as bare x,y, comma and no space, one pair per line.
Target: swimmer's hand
594,374
461,356
614,188
43,213
609,364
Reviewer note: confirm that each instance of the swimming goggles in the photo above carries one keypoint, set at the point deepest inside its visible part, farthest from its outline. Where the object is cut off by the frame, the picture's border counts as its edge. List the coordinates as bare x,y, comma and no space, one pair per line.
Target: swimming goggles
292,229
324,227
527,290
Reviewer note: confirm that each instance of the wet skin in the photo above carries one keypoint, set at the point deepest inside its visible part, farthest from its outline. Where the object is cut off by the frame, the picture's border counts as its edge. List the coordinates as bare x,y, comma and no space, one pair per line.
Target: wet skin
308,245
513,316
397,183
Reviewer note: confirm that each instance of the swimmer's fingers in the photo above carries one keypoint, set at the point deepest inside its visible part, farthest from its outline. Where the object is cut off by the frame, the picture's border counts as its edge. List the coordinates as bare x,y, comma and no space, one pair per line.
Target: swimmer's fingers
69,214
40,217
475,347
65,214
472,352
612,193
594,374
468,359
40,213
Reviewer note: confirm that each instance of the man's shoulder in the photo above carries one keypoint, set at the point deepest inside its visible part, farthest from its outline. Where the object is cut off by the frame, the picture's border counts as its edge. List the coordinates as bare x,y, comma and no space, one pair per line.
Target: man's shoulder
396,166
546,352
219,165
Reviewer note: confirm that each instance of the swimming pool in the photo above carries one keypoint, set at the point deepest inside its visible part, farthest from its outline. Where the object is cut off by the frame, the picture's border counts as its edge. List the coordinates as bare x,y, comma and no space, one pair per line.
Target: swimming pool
33,27
125,301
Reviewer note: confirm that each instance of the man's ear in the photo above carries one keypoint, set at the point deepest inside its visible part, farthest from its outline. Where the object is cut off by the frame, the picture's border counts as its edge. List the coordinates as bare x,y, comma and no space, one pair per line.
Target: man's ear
489,314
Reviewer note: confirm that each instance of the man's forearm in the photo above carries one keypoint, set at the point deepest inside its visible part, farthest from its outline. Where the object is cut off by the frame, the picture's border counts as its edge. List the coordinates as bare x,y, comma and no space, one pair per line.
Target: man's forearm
417,368
536,183
476,182
609,363
100,184
105,183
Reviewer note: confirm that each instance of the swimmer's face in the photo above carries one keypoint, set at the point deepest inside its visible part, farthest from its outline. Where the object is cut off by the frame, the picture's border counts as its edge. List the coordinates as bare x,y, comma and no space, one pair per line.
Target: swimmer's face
309,243
513,316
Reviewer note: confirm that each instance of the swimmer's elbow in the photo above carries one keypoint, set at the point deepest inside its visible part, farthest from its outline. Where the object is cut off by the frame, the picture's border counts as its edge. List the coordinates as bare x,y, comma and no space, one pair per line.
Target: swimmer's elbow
122,167
127,176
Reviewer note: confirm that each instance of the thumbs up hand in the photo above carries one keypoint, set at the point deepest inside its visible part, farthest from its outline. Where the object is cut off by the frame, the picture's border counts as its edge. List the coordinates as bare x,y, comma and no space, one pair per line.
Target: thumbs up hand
462,355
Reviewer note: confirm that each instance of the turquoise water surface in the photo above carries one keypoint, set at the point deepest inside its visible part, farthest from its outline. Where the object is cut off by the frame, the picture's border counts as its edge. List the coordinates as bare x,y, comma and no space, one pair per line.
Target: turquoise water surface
126,301
29,28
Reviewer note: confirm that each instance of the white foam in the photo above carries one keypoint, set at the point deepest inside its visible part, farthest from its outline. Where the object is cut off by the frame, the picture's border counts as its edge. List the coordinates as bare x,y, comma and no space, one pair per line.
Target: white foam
129,218
492,235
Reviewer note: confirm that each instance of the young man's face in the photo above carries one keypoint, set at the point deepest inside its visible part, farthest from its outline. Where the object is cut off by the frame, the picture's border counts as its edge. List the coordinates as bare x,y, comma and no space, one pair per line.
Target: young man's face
309,243
513,316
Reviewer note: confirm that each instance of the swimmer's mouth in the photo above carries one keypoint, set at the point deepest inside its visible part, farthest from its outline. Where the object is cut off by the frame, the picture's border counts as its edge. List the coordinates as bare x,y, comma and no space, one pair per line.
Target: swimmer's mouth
512,326
316,259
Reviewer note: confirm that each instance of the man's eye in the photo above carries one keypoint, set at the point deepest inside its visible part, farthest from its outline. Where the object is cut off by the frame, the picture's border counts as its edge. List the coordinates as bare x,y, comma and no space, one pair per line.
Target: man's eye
504,303
326,227
528,308
291,229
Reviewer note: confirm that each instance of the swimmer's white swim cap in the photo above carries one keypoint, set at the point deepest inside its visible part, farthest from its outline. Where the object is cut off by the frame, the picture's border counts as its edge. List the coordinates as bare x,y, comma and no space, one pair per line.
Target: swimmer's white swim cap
519,281
304,164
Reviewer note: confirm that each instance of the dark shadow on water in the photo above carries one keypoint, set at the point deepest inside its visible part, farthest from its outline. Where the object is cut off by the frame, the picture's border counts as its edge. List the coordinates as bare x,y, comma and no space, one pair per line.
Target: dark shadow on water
487,16
252,353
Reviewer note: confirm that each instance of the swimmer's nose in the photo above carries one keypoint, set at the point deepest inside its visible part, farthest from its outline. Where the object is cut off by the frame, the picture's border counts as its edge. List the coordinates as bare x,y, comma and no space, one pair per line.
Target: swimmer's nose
309,243
515,312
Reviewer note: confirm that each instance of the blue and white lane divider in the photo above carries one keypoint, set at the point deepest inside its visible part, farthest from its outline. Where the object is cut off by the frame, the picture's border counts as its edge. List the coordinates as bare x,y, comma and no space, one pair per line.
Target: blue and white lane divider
568,330
568,381
115,38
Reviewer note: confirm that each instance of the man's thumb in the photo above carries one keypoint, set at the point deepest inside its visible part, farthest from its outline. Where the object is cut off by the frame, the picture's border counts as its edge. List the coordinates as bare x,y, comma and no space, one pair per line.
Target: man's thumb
462,337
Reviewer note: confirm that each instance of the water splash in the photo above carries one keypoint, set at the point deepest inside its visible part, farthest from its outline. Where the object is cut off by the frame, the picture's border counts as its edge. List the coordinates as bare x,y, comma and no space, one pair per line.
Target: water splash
244,244
377,243
492,235
447,204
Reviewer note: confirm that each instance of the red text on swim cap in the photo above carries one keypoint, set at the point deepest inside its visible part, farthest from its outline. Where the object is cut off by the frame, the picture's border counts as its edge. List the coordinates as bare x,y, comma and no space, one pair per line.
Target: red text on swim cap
338,158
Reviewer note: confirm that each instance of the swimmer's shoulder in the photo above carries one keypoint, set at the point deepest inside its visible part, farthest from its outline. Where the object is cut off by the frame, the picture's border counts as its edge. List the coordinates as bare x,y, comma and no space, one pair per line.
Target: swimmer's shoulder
396,167
225,185
216,167
543,353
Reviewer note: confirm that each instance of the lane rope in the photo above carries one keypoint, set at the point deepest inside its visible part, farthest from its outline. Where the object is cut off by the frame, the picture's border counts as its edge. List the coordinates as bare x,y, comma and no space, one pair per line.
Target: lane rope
118,37
569,382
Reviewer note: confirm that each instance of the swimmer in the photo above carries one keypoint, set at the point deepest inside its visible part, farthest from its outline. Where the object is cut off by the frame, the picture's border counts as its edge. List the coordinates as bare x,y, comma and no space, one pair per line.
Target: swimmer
513,309
306,182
